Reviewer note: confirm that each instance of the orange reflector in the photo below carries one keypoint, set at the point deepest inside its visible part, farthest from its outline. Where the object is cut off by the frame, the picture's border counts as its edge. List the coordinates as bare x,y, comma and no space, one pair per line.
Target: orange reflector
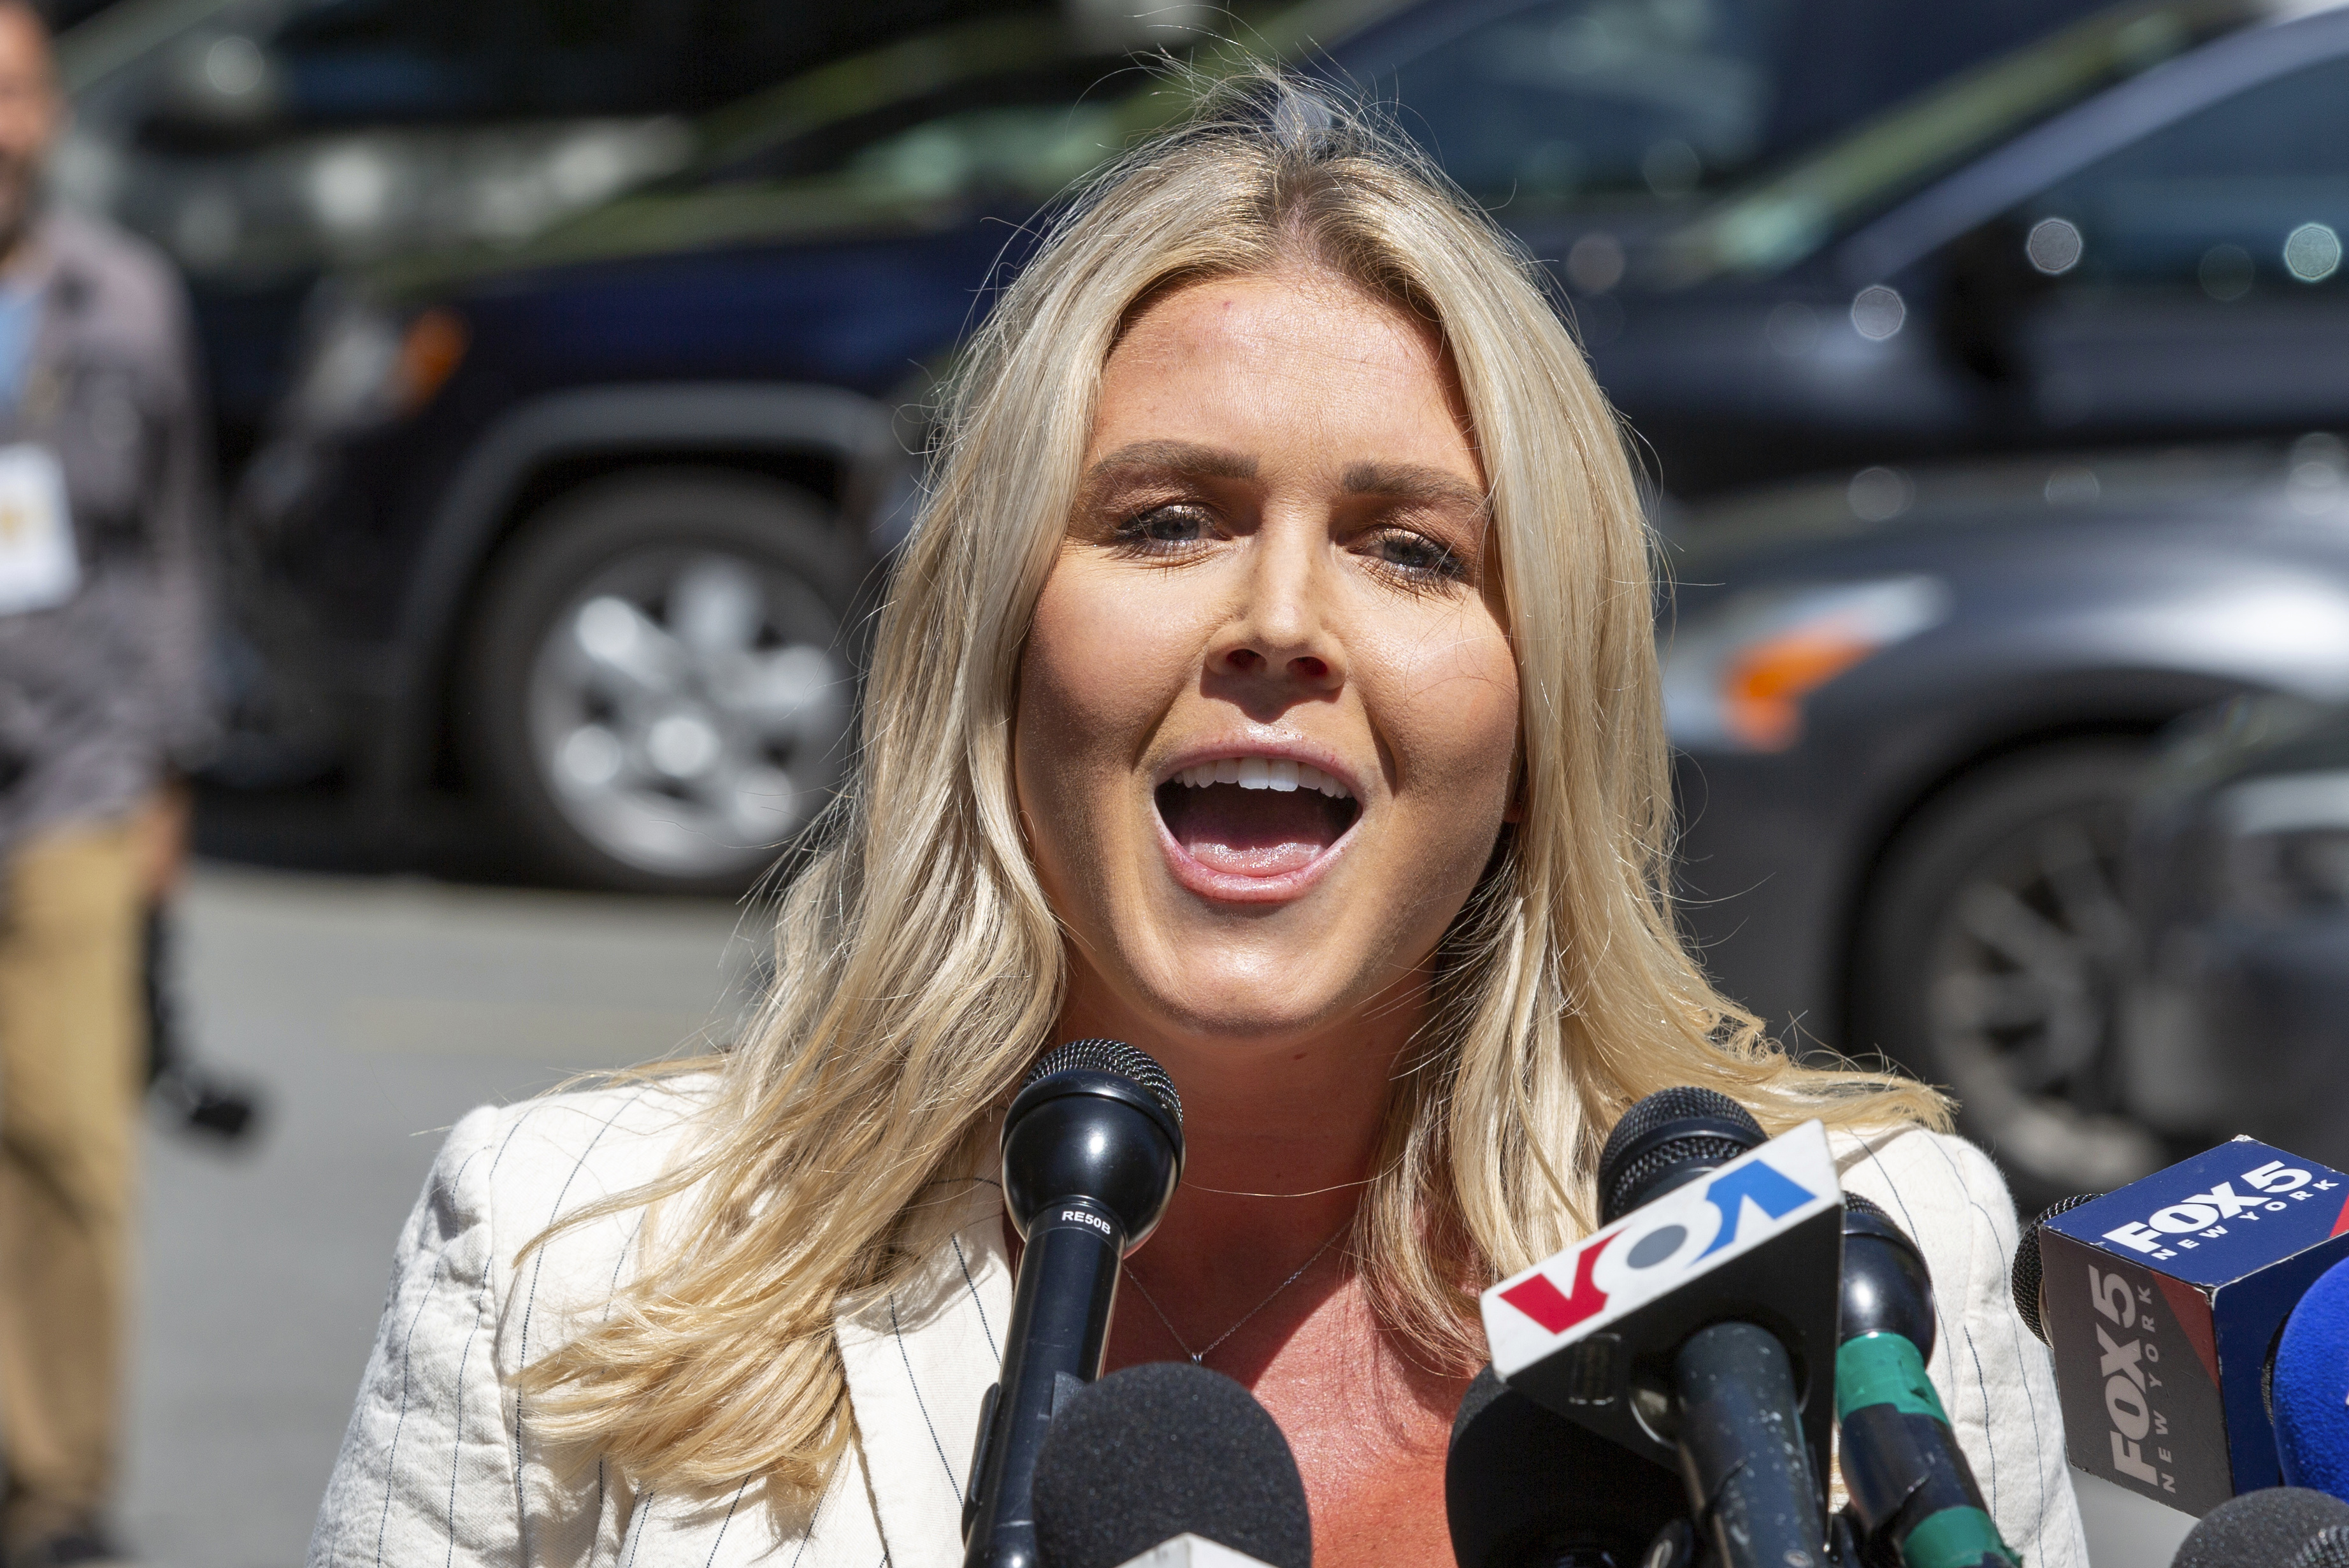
428,356
1763,689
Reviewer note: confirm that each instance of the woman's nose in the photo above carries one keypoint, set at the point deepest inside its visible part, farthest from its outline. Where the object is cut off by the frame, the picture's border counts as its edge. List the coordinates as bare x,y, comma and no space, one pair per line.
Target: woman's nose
1282,630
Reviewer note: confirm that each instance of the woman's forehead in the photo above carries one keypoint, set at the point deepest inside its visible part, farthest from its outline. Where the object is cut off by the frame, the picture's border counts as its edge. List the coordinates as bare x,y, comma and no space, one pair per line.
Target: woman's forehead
1275,361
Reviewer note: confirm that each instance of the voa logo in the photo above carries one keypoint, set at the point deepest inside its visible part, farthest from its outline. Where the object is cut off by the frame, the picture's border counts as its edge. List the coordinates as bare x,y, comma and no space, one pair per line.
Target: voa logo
1656,1245
2191,1221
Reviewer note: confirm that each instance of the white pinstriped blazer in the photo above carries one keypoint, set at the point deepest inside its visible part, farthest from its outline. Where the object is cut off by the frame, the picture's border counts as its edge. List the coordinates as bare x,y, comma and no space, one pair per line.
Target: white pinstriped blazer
440,1464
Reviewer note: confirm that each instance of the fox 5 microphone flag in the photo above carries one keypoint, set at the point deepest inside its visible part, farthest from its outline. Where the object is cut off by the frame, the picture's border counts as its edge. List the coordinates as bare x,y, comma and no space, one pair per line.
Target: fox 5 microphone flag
2163,1301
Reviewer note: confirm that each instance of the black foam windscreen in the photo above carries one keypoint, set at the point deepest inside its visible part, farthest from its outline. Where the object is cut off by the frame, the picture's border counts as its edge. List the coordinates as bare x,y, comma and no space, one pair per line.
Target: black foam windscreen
2280,1527
1111,1056
2024,1279
1673,1128
1156,1451
1524,1488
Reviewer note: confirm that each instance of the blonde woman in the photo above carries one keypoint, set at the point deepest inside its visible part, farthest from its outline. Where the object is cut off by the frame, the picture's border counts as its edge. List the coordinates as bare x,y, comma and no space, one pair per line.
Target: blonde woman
1270,684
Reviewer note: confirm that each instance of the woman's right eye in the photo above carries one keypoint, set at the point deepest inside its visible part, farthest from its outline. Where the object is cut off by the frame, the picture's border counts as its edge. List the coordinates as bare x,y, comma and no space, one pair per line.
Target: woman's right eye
1162,525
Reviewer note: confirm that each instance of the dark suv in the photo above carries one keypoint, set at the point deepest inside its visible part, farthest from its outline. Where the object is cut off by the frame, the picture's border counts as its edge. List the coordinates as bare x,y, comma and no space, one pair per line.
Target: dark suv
582,527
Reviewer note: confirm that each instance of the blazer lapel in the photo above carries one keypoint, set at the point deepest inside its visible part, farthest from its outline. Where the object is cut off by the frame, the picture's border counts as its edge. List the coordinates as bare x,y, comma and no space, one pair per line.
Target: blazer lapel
919,1359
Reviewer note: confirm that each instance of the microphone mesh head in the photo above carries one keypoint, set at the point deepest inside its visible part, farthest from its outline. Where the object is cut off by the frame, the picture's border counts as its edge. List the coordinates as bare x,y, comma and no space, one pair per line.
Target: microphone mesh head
1866,1205
1112,1056
2023,1280
1625,1171
2282,1524
2328,1549
1154,1451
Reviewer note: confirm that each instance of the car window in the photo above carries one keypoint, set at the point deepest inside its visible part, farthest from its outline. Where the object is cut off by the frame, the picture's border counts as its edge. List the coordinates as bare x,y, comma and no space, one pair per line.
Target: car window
2247,197
1780,219
1537,105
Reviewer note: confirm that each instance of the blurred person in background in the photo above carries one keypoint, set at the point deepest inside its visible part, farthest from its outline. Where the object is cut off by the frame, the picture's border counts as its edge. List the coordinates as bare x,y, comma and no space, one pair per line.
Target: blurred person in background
104,491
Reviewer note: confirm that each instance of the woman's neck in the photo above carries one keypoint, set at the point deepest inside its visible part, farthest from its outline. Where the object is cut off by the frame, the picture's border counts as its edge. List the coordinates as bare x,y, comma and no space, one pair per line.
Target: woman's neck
1281,1139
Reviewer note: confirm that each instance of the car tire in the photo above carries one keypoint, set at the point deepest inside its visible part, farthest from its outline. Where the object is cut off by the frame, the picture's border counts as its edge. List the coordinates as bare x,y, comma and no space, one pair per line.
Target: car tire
657,693
1990,957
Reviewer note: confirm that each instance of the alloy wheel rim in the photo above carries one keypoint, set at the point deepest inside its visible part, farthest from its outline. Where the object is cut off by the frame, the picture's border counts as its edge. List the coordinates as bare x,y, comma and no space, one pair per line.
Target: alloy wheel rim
685,709
2022,999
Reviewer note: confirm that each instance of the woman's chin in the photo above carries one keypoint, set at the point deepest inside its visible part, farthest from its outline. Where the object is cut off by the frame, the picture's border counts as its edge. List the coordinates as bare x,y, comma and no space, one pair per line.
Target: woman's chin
1259,986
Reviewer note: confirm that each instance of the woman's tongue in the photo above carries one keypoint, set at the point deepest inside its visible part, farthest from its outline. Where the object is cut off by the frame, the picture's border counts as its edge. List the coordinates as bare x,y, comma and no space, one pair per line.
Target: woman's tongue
1251,832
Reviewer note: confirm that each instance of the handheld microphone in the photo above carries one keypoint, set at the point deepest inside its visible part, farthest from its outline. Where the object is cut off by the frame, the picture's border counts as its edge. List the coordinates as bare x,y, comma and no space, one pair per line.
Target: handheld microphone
1911,1487
1696,1326
2310,1387
2162,1301
1524,1488
1154,1453
2279,1527
1092,1148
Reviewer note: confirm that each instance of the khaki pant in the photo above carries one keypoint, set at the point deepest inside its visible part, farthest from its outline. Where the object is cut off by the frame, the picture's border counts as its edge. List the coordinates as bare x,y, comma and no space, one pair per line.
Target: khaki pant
71,1046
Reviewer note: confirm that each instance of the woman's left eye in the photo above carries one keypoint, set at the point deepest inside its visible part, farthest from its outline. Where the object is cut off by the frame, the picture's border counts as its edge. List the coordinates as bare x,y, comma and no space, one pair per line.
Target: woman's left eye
1417,556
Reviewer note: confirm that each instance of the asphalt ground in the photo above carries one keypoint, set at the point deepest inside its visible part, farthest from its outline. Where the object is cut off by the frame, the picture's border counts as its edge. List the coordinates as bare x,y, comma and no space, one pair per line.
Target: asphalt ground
372,1011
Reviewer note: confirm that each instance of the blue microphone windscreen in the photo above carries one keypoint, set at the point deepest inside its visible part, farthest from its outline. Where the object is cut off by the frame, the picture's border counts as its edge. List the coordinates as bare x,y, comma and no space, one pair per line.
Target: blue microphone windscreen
2310,1387
1156,1451
2279,1527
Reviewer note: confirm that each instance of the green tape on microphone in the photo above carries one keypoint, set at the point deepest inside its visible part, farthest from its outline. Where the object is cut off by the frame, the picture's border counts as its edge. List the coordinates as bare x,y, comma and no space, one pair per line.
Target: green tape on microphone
1909,1483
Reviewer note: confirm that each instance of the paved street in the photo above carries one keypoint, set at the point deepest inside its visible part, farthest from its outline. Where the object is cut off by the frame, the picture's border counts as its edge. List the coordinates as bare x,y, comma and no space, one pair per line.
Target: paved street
375,1012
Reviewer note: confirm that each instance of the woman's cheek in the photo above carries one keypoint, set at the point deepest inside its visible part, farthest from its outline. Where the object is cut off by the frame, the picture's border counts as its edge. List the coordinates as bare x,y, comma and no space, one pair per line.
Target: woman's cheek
1454,718
1094,679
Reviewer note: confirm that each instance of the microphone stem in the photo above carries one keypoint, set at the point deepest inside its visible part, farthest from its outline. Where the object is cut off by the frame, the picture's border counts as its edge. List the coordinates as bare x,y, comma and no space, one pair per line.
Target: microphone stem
1053,1346
1751,1486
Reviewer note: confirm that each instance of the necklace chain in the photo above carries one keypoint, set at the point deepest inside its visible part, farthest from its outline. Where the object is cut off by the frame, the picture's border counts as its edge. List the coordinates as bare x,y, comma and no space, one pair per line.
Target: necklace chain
1200,1355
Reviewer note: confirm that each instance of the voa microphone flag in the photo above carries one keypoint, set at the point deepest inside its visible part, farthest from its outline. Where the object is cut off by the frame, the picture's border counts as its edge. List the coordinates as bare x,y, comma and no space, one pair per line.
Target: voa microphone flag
2162,1301
1764,1233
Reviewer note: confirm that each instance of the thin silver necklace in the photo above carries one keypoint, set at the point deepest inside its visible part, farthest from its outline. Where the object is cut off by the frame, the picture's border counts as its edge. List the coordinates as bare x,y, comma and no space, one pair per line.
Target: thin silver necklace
1197,1356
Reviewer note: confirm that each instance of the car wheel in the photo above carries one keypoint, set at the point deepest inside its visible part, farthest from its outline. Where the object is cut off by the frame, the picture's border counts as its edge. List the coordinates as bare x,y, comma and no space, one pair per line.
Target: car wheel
1990,962
659,693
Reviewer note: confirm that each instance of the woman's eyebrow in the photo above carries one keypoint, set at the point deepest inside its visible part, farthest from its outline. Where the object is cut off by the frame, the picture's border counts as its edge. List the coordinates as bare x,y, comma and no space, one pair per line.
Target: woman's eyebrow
1411,481
1185,458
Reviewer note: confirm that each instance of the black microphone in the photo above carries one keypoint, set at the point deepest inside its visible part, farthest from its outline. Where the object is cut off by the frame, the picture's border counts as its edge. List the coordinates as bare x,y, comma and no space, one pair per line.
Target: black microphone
1697,1324
2278,1527
1524,1488
1735,1408
1912,1490
1157,1452
2164,1303
1092,1148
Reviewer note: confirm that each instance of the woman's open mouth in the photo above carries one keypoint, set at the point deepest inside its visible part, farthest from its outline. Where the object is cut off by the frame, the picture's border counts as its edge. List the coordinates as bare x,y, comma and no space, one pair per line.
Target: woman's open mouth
1260,818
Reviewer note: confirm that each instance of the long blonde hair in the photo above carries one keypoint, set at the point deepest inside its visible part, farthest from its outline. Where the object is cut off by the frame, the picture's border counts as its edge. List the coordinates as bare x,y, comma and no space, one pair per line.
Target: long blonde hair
920,970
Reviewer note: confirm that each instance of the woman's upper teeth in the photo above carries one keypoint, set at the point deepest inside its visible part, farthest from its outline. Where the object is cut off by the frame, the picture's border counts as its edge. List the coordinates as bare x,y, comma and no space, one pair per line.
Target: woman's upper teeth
1263,773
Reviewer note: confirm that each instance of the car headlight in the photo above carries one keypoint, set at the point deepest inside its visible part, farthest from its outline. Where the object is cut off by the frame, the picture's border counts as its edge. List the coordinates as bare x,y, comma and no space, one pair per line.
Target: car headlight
366,365
1735,677
2285,843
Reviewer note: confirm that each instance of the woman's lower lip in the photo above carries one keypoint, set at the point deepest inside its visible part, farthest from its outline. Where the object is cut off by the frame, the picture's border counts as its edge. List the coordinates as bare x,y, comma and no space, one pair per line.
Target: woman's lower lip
1239,888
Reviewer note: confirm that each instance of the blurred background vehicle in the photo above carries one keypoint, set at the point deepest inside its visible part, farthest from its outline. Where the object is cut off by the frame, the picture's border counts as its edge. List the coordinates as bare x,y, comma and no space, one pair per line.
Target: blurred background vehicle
2239,882
262,142
2128,233
1911,737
